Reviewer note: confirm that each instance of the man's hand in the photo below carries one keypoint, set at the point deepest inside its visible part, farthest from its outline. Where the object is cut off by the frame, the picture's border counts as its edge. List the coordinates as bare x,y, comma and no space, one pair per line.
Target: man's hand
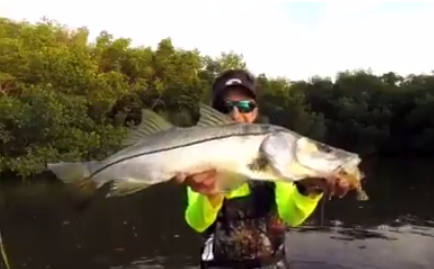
330,186
203,183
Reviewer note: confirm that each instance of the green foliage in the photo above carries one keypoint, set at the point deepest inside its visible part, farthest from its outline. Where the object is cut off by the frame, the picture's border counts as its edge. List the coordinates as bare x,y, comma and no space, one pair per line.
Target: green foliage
63,98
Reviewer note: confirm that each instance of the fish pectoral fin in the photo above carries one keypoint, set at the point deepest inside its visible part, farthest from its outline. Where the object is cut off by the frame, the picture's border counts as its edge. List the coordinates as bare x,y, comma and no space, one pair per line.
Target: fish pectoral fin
259,164
123,187
212,117
152,123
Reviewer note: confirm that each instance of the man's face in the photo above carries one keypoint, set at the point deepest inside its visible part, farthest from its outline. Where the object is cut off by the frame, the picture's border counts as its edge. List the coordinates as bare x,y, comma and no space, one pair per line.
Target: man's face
240,106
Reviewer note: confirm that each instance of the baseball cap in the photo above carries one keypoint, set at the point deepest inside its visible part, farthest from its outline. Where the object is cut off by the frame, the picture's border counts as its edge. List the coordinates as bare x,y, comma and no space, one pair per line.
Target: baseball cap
237,77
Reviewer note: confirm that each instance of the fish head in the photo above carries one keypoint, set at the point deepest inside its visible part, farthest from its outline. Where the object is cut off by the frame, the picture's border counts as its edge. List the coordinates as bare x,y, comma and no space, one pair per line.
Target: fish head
279,148
295,157
325,160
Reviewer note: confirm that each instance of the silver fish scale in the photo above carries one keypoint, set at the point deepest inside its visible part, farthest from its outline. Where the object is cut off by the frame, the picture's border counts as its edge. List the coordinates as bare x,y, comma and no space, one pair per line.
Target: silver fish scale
176,138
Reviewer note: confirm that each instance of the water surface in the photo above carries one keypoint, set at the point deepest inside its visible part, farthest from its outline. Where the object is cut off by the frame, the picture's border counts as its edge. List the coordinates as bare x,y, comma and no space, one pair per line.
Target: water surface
394,229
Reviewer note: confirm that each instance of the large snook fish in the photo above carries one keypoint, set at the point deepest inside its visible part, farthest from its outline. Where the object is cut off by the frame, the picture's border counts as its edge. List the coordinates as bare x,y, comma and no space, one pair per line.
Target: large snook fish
156,151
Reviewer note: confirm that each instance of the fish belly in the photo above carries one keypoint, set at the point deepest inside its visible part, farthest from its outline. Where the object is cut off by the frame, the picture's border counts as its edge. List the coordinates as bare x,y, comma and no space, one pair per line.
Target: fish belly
228,156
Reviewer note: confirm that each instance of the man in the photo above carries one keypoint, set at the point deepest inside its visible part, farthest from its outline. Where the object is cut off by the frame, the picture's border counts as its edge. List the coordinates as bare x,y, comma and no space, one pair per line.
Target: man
246,227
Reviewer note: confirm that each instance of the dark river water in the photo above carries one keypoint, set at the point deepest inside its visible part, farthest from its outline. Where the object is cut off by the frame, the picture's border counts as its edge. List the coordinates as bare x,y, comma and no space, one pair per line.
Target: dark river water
42,228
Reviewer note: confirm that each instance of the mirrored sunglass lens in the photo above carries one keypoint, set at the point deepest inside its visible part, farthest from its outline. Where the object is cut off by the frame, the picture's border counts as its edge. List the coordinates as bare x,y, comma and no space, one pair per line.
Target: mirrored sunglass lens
229,106
245,106
242,106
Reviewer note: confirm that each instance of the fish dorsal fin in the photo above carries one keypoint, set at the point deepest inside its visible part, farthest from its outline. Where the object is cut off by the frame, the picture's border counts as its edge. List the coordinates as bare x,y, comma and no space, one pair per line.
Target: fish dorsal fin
152,123
212,117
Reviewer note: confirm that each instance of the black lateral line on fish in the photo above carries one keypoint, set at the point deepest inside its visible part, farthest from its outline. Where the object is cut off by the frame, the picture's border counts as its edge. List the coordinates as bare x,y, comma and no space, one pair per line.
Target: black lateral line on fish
176,147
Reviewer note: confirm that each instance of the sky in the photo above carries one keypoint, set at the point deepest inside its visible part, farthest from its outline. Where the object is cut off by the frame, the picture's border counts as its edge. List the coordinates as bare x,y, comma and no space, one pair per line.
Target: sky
296,40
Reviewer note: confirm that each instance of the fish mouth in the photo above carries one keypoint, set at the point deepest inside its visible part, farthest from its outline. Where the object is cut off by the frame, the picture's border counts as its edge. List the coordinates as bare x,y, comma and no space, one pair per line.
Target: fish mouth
349,166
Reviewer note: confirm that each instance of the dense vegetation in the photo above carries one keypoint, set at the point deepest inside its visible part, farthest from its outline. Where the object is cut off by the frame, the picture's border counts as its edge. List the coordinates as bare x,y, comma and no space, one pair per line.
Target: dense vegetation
62,98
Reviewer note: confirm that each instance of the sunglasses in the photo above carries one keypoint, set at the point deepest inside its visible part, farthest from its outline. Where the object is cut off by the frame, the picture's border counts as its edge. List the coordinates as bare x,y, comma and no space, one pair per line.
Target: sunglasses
243,106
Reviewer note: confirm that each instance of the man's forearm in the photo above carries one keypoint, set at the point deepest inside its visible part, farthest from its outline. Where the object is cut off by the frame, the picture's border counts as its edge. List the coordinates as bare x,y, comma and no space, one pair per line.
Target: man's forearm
294,207
201,210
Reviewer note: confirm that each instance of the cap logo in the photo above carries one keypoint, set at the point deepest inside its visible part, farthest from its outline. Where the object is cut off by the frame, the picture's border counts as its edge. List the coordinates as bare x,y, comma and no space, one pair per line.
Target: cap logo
233,81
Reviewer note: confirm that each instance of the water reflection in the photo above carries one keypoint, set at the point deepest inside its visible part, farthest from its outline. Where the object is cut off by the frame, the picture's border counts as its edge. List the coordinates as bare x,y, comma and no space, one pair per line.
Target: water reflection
385,247
392,230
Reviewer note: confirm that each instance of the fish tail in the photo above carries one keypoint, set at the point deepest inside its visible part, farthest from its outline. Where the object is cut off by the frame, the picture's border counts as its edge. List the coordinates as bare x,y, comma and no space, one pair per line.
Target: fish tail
77,176
72,172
